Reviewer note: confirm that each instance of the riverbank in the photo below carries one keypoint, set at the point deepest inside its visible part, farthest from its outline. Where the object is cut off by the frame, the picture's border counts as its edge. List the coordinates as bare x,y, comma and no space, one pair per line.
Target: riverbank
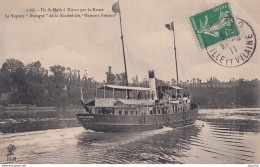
226,107
30,118
32,124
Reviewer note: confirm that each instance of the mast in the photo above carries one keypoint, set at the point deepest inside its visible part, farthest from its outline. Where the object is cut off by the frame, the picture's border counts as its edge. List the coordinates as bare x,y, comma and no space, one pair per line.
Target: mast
170,27
176,64
123,46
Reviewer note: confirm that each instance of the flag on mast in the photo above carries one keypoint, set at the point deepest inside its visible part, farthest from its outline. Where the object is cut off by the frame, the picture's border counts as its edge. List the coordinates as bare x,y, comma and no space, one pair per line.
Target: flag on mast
116,8
170,26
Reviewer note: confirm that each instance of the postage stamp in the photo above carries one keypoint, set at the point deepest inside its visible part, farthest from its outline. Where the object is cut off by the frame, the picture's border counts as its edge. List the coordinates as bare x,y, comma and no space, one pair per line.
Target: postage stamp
214,25
236,51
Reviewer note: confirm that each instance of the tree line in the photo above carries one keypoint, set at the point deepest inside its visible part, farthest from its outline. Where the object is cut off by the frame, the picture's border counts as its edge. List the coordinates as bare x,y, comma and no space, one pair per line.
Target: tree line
33,84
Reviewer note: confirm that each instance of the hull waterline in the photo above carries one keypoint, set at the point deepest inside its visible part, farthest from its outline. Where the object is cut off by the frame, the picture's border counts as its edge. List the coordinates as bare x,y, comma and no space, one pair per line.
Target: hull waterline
122,123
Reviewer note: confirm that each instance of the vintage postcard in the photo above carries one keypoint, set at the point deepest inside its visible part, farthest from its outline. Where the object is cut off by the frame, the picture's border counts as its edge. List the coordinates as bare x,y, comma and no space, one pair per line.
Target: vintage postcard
129,82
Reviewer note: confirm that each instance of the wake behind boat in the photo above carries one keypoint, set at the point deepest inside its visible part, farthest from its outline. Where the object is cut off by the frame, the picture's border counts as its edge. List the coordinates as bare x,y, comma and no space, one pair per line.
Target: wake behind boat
125,108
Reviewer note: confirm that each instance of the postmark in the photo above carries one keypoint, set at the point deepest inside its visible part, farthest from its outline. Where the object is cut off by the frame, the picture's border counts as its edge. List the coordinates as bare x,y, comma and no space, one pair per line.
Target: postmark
237,50
213,25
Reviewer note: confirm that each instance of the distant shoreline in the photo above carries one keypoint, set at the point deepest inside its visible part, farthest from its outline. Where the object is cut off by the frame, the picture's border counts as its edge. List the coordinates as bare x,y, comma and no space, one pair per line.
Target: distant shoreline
228,107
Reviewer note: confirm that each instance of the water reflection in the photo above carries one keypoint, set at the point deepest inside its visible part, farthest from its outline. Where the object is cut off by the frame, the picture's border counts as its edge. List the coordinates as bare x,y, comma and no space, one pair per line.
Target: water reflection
233,120
219,136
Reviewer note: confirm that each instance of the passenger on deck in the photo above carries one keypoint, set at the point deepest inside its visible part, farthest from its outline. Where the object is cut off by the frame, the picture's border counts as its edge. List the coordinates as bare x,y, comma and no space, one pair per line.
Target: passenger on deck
166,96
140,96
152,95
160,95
131,96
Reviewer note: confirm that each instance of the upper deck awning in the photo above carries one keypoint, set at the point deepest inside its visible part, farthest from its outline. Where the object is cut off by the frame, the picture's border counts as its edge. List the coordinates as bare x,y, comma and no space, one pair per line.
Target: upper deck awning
168,87
175,87
123,88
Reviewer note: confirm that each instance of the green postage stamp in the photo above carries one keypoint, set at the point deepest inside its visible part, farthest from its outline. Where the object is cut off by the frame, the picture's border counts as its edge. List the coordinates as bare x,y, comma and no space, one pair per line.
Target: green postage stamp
214,25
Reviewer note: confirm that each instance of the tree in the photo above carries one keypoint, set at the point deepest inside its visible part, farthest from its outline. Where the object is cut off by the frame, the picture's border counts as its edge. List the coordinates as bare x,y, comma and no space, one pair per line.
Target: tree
37,79
59,75
13,80
120,79
58,92
193,82
144,83
35,73
135,80
13,65
13,74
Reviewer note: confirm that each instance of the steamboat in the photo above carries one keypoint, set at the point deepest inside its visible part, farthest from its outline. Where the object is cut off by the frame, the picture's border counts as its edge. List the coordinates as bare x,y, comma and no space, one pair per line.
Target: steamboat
139,108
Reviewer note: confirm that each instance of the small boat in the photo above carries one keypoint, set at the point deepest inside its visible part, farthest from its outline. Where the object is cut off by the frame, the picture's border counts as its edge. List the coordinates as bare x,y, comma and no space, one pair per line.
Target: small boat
126,108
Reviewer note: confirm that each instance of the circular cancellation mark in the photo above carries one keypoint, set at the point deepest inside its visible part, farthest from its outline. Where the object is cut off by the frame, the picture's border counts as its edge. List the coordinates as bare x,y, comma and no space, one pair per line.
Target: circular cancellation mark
235,51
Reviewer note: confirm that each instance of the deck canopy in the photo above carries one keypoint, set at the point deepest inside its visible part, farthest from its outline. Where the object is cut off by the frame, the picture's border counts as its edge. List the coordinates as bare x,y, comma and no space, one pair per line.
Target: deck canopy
175,87
123,88
135,101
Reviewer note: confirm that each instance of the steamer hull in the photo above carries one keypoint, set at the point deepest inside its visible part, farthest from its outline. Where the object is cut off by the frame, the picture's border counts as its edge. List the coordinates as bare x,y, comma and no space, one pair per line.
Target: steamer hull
125,123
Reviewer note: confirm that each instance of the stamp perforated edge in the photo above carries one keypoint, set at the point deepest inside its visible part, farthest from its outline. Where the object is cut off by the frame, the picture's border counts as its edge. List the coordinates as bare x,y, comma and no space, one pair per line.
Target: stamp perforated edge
193,33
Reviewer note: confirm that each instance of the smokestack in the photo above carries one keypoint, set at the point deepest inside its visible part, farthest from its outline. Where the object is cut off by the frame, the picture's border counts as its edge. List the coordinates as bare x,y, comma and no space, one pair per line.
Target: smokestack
153,94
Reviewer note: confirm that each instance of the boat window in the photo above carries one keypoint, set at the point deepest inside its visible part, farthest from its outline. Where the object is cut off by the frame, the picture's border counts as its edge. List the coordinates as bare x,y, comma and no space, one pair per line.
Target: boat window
154,112
159,111
120,112
151,112
132,112
126,112
136,112
163,111
106,110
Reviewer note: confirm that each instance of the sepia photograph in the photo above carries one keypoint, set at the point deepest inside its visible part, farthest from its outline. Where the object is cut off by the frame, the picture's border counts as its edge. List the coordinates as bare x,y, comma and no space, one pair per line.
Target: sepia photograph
129,82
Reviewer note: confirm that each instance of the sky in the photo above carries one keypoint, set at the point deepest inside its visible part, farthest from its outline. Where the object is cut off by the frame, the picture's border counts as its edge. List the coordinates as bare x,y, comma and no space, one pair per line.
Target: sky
93,44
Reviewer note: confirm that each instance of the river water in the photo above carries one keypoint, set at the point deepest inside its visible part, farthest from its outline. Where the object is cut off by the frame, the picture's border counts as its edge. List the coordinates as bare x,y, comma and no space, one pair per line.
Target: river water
223,136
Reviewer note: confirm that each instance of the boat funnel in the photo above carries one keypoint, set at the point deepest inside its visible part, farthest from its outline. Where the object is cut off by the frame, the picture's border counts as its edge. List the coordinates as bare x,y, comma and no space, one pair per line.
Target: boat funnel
153,94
